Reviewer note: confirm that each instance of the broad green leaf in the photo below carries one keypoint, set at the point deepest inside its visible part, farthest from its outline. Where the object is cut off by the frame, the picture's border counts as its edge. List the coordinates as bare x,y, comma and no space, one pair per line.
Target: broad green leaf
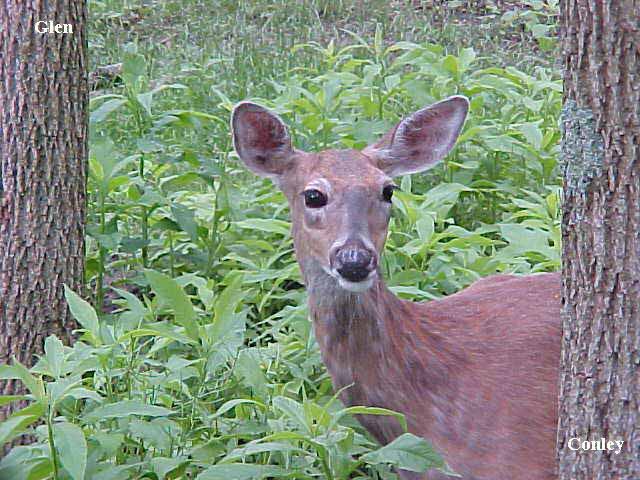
532,133
103,111
467,56
109,241
361,410
82,393
408,452
265,225
178,86
225,407
22,463
150,198
451,64
442,197
83,312
7,399
102,160
540,30
14,426
133,302
256,448
152,433
522,240
186,219
413,292
166,224
392,81
127,407
172,294
134,67
240,471
248,368
54,354
59,388
503,143
109,442
163,466
184,181
18,371
72,448
426,227
225,307
114,472
145,100
158,329
294,436
293,410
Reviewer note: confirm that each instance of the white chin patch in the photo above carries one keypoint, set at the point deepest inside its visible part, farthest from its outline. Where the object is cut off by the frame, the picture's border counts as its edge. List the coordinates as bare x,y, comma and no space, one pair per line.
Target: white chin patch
356,287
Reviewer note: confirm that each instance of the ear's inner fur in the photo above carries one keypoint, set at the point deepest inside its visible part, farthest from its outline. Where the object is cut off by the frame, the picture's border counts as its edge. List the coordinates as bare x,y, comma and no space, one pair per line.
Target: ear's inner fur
261,139
422,139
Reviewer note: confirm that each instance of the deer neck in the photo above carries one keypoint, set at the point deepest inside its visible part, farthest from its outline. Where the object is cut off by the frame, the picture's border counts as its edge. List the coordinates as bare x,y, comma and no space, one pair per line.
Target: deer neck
357,318
361,333
385,352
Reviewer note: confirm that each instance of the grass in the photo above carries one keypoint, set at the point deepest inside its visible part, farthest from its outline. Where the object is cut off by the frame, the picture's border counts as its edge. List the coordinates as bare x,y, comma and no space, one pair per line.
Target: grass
196,358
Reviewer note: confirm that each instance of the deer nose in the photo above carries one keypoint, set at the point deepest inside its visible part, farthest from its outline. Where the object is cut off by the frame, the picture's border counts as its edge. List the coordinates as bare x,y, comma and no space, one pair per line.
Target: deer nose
353,261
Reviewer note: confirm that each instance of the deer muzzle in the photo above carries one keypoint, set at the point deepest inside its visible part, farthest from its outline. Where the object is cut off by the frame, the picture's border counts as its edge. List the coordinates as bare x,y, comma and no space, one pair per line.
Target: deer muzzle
353,261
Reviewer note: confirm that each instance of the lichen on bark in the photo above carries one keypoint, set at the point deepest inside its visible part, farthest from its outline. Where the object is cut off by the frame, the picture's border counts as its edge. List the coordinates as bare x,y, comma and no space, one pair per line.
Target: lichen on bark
582,147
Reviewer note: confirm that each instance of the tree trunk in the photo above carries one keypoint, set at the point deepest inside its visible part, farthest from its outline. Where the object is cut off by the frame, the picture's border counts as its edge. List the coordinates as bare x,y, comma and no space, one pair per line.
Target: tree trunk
43,155
600,384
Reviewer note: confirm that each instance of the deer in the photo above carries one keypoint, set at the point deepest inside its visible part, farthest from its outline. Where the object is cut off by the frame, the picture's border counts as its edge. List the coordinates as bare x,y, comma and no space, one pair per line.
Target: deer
475,373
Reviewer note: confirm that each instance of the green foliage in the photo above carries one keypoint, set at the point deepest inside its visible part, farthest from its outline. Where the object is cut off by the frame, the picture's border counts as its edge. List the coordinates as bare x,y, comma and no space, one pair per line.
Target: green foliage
143,398
197,359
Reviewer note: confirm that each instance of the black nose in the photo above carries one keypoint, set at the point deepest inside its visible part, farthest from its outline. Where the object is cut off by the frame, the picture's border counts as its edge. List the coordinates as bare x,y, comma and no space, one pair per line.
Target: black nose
354,262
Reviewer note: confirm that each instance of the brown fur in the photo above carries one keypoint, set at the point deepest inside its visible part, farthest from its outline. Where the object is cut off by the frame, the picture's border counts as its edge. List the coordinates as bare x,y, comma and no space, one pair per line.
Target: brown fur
475,373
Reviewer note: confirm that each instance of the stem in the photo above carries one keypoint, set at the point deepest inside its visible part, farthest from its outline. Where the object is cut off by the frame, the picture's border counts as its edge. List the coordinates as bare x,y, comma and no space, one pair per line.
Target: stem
171,256
101,259
145,218
141,167
325,466
52,446
325,132
145,237
213,241
445,165
100,280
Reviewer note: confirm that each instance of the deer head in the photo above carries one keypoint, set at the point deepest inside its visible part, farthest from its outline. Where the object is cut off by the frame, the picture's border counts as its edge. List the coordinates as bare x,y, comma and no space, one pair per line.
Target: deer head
340,200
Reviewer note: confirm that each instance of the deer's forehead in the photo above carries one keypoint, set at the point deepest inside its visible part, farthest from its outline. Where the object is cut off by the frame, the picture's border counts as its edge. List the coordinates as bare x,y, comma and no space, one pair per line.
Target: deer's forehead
343,168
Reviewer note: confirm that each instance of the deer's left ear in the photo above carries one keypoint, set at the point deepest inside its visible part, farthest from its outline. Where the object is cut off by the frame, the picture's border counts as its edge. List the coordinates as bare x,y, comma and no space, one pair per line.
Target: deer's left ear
422,139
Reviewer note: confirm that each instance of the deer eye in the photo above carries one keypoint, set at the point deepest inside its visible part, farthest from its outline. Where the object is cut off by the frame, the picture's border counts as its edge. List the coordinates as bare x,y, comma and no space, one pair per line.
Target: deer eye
314,198
387,192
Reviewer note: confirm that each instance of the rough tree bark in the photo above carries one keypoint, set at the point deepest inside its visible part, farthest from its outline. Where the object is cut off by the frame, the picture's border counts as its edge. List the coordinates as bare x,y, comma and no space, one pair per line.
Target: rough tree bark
43,154
600,375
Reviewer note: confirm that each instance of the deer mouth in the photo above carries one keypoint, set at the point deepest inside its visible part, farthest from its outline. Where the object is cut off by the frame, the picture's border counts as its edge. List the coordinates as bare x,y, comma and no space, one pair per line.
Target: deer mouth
359,286
349,285
356,286
354,272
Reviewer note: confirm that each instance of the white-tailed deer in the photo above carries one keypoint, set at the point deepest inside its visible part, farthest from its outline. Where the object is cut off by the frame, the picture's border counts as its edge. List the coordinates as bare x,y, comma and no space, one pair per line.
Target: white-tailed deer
475,373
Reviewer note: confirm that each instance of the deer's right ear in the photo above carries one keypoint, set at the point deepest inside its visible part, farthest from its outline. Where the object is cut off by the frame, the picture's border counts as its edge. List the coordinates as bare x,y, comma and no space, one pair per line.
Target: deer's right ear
261,139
